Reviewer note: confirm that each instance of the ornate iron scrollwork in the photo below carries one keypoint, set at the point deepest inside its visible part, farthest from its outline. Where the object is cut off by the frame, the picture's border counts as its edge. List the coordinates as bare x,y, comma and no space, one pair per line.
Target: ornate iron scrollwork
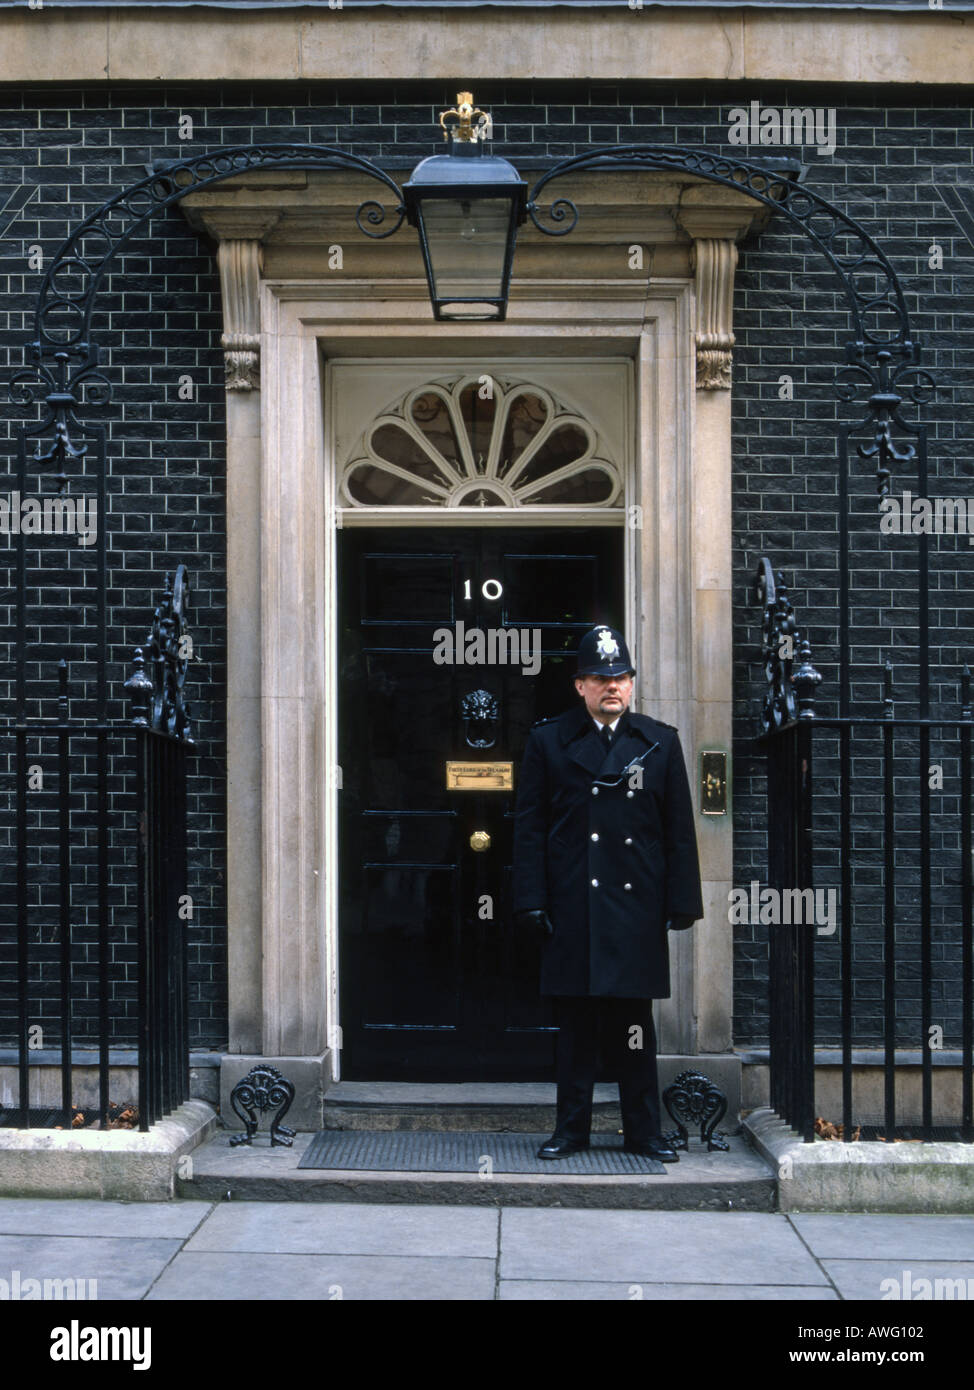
883,350
262,1089
158,700
63,373
479,711
887,381
790,692
65,359
694,1099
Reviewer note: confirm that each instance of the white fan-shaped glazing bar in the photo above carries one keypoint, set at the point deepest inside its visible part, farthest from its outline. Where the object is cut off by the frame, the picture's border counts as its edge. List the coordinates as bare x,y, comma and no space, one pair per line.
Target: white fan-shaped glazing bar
509,400
456,411
384,466
506,394
572,470
443,466
451,399
550,427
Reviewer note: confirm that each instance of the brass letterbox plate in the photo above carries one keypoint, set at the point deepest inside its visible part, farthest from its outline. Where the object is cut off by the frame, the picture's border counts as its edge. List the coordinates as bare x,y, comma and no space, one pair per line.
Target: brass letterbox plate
479,777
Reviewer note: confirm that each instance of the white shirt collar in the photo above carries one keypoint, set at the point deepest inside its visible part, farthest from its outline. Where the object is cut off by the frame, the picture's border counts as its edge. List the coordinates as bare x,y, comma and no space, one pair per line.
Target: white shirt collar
600,726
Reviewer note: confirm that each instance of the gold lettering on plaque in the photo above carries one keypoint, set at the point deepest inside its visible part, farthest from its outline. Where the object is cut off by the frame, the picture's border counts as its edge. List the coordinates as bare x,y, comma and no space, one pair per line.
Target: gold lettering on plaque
479,777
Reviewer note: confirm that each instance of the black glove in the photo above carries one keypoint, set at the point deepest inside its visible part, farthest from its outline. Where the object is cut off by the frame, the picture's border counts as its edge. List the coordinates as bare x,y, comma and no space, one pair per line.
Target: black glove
536,920
678,923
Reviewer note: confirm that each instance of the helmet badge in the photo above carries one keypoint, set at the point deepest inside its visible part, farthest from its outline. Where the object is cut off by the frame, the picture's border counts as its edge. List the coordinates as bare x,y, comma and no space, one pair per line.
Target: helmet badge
607,646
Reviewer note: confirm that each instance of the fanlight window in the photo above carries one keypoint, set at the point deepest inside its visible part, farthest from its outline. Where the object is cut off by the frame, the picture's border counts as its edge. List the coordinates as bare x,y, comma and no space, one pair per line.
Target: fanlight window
479,442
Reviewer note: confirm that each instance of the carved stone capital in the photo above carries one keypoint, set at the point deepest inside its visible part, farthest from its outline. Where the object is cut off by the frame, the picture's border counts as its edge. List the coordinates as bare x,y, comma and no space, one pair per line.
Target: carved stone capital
239,261
714,260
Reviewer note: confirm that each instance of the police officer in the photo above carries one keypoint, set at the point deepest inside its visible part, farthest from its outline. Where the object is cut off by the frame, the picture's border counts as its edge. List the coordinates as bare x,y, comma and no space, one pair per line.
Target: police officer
605,863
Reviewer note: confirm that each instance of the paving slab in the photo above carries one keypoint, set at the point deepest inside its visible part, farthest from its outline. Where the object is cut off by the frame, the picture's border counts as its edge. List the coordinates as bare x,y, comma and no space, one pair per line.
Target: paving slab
123,1268
864,1279
701,1247
268,1278
349,1229
54,1216
878,1236
561,1290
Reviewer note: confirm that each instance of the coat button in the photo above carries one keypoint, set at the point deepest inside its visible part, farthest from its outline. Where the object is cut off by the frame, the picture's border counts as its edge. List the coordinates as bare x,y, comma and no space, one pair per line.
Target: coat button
595,791
628,839
630,793
595,883
628,887
595,836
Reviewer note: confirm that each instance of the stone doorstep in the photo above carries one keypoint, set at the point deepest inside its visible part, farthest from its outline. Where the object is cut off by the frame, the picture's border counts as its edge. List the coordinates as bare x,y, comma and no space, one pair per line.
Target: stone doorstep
524,1107
829,1175
115,1164
739,1180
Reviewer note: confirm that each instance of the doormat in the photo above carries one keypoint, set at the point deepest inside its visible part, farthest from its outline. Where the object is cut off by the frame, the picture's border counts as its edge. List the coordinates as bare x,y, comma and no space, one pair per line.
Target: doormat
412,1151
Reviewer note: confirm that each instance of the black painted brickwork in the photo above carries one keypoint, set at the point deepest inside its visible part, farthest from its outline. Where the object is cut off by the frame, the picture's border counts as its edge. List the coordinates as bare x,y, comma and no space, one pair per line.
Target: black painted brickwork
159,315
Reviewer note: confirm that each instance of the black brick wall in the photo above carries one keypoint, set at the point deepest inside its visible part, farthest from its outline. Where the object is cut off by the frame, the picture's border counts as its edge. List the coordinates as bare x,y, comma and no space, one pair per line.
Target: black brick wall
159,317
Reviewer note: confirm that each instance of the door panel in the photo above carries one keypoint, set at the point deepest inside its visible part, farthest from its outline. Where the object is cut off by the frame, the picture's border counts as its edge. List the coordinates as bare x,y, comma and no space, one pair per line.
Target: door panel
436,984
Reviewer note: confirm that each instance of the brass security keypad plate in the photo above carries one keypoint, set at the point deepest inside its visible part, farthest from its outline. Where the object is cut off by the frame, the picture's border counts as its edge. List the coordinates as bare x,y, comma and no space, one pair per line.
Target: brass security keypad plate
713,783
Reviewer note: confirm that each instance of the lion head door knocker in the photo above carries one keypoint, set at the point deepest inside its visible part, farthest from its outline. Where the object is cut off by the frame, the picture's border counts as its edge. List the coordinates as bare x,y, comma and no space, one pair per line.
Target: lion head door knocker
479,711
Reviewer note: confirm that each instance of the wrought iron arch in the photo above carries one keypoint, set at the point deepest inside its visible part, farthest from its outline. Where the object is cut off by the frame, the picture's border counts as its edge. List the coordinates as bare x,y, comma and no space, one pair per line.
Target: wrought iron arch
65,360
64,372
881,360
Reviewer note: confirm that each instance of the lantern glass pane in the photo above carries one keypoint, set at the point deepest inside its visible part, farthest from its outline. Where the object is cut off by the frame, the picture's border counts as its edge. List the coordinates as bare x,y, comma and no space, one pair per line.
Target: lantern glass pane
467,243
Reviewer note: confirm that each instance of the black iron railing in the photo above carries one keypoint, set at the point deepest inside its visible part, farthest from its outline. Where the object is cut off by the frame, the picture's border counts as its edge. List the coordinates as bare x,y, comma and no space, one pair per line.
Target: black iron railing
901,875
87,976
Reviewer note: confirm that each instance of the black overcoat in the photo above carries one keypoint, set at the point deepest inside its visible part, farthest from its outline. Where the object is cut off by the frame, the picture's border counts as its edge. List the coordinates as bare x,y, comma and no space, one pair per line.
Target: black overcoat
611,864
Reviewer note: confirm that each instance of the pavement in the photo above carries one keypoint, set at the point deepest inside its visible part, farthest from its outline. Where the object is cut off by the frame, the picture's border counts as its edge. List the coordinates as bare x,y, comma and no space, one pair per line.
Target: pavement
238,1250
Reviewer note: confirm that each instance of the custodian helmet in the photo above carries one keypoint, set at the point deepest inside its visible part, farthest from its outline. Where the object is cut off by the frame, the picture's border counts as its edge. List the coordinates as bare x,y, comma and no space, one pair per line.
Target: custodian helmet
603,652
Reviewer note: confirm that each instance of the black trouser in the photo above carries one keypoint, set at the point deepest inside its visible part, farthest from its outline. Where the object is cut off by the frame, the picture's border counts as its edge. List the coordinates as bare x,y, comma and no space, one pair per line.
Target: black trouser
587,1025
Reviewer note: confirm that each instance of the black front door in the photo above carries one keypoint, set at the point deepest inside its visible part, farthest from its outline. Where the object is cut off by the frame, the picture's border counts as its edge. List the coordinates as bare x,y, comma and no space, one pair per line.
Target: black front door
435,983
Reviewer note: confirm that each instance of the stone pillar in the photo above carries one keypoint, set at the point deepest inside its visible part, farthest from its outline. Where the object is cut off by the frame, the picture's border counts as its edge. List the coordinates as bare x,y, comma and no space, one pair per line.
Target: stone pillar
714,261
276,1009
239,262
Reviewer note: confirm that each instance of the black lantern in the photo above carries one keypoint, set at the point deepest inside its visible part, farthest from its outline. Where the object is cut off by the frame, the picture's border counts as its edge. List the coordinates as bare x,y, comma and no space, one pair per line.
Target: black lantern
467,207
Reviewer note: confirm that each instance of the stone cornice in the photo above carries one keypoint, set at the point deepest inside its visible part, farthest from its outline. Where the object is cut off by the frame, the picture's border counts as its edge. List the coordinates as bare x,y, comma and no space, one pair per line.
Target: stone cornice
128,44
288,224
298,214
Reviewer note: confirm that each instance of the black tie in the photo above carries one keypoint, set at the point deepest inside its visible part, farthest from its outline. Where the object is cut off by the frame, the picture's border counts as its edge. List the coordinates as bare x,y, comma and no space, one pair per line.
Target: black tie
606,737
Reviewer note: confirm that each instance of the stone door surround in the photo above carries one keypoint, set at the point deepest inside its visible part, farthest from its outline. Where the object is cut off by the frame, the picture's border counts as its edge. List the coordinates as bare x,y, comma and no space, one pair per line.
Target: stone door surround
302,287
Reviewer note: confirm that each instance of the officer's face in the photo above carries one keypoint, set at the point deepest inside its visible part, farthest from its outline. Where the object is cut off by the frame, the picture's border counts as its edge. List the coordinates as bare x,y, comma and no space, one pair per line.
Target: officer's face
605,696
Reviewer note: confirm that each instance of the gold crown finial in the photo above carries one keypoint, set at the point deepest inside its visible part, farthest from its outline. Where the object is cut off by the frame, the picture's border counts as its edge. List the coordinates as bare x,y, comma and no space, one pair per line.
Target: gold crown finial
469,123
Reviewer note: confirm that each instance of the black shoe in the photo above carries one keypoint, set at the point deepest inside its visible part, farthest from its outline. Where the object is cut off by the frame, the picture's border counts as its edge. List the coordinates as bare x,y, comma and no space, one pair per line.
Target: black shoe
657,1148
559,1147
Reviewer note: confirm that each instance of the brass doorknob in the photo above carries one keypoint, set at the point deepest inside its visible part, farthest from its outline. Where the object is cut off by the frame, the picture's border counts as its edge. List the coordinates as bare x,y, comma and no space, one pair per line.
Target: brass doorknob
479,841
